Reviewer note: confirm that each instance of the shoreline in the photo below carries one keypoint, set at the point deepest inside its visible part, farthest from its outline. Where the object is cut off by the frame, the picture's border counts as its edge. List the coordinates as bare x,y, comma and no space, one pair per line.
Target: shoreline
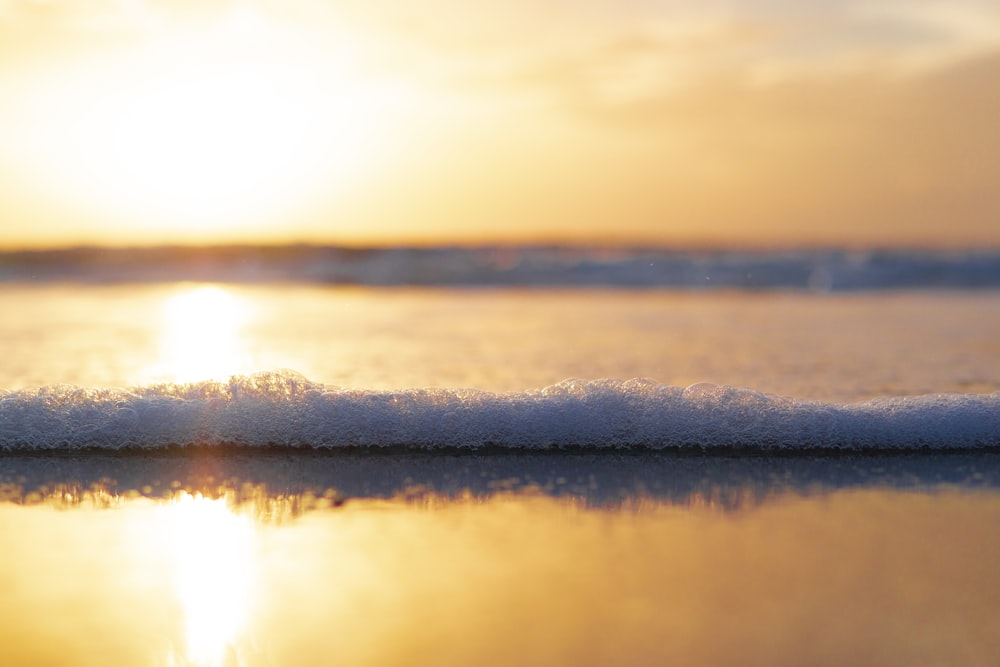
595,478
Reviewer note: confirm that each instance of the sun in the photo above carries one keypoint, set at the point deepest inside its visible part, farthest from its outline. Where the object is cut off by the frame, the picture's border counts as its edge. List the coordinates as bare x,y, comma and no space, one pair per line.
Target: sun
203,143
225,125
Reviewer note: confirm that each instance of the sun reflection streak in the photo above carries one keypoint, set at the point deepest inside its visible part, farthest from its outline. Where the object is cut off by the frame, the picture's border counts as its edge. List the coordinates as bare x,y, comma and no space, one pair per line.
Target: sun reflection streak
202,336
212,553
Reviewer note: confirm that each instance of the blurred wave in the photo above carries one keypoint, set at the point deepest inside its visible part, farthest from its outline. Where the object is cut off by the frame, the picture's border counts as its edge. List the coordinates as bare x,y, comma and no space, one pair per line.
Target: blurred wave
527,266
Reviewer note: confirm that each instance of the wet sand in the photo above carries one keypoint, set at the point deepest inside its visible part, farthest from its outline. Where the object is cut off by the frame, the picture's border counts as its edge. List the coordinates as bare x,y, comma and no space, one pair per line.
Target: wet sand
207,559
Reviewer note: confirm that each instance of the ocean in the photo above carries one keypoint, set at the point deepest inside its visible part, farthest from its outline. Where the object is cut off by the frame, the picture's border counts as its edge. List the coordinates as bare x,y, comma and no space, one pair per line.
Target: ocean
530,455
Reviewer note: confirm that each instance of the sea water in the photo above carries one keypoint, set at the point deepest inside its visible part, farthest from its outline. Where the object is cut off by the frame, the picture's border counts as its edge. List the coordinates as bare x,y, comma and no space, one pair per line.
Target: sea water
267,474
841,347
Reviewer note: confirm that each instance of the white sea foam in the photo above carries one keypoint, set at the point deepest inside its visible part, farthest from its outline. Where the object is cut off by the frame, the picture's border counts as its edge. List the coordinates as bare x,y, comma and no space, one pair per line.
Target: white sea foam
284,409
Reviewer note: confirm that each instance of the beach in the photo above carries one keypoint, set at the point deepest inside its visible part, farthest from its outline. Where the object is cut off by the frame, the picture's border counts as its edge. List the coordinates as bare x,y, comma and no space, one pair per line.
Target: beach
776,477
544,560
499,333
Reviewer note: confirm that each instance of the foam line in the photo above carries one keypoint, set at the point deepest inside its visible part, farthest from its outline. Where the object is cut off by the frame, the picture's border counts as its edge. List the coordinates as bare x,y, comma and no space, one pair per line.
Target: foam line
284,409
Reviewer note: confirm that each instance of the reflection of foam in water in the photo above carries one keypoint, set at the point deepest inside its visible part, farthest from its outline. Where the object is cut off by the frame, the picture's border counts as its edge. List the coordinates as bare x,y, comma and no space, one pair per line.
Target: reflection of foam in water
201,335
212,554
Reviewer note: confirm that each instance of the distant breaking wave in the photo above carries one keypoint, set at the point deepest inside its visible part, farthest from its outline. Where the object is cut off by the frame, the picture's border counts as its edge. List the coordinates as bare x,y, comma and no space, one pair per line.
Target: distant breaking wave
285,410
525,266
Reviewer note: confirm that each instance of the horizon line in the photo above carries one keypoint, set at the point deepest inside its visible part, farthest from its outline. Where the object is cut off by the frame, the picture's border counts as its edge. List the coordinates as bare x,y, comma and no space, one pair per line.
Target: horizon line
499,244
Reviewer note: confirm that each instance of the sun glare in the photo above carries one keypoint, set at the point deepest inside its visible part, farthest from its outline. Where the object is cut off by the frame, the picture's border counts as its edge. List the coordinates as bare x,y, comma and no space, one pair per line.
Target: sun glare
206,146
219,136
212,551
236,124
201,336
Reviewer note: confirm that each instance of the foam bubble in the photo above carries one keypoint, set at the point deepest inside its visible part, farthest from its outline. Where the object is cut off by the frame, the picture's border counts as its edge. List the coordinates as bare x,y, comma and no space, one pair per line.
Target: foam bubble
284,409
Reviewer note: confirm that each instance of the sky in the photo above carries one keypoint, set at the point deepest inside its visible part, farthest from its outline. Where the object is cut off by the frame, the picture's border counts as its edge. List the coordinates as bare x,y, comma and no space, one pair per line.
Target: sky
719,122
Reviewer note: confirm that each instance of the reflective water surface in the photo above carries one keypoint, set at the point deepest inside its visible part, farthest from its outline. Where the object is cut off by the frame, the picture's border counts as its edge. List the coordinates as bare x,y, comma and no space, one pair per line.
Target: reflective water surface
246,558
831,347
547,561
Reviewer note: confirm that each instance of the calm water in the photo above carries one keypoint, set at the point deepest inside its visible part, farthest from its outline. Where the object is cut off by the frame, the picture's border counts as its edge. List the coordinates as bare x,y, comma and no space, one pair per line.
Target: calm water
869,576
836,347
263,557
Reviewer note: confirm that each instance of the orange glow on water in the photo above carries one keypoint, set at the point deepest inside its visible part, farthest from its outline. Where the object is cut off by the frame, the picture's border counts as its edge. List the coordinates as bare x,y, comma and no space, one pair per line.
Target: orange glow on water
212,554
837,578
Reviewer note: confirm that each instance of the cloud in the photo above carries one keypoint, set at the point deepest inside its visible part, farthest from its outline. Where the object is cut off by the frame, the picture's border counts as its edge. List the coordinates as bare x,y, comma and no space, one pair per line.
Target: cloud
721,115
617,49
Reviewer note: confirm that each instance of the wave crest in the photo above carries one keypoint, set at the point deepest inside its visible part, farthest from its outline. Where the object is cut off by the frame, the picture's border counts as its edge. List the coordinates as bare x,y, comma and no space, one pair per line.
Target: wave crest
285,409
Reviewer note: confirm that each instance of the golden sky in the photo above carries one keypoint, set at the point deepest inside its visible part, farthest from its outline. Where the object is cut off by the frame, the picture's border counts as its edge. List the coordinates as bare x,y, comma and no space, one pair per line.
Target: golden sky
767,122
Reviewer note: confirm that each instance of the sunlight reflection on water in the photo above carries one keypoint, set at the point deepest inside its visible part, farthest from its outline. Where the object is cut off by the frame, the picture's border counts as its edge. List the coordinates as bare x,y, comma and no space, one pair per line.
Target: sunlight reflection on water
800,345
212,551
202,336
850,576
